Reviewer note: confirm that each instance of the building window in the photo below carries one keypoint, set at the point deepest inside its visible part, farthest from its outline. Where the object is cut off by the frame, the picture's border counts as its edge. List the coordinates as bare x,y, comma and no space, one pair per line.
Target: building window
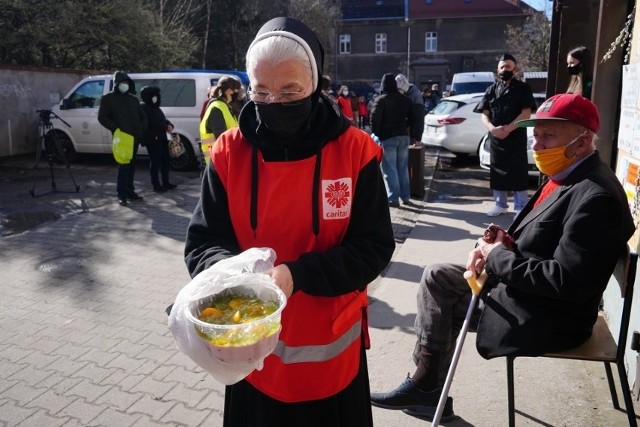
345,43
381,43
467,64
431,42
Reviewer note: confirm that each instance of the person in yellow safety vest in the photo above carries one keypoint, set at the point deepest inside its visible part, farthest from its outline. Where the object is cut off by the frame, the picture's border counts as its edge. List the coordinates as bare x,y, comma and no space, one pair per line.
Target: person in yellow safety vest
219,116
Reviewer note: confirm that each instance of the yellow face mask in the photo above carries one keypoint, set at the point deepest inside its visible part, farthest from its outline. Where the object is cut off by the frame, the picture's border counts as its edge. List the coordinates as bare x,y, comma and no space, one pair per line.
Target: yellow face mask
551,161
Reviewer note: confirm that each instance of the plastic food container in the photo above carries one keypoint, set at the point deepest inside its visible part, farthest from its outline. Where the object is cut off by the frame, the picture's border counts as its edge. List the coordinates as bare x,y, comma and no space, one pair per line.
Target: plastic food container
244,342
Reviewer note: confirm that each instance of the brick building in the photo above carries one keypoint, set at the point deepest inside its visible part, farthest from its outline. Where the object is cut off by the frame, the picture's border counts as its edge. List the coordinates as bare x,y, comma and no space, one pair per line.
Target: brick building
427,40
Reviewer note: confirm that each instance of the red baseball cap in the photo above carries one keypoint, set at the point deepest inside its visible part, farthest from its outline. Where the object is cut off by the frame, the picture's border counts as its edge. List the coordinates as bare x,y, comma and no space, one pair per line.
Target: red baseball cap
569,107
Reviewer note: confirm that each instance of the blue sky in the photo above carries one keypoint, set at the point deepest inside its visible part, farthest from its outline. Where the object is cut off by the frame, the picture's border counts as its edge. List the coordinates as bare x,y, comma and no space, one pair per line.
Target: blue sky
541,5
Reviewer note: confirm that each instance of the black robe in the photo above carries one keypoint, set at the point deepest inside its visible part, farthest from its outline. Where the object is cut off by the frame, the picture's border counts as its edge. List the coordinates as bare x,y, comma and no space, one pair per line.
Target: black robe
508,170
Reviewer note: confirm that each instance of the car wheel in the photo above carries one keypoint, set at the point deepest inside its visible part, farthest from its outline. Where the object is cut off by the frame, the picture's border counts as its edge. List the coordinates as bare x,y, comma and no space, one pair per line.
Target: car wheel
60,147
185,161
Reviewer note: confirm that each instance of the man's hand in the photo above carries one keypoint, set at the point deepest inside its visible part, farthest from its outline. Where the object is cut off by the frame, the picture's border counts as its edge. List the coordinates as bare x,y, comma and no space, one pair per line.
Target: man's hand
478,256
500,132
493,237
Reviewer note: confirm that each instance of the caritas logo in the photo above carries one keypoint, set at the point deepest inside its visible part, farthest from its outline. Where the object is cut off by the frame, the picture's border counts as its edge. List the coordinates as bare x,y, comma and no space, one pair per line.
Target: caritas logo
336,198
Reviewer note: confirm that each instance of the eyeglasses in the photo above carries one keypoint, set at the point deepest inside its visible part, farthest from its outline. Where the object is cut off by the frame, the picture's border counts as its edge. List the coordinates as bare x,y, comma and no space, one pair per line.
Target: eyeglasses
266,97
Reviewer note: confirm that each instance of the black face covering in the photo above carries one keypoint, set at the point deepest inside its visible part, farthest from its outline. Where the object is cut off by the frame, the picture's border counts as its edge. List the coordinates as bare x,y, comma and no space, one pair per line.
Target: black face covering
505,75
575,70
285,119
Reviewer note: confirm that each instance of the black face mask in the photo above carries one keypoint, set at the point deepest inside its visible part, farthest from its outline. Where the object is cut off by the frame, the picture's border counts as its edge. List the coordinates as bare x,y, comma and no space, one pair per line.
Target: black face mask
505,75
285,119
575,70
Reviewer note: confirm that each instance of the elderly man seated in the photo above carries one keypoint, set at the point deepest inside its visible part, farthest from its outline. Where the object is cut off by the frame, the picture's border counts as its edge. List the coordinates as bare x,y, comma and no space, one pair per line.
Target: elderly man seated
546,274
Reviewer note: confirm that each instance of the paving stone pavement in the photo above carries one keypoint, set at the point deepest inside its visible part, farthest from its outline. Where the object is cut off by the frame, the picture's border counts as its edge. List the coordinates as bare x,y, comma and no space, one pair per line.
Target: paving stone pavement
84,285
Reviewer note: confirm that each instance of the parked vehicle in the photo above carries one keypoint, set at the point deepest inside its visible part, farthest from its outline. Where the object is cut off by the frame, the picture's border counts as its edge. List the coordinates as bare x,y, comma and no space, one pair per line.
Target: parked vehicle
454,126
183,94
474,82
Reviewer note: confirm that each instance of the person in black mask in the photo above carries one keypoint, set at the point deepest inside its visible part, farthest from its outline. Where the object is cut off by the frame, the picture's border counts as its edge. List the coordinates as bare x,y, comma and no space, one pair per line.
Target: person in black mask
579,68
155,138
120,109
504,103
295,176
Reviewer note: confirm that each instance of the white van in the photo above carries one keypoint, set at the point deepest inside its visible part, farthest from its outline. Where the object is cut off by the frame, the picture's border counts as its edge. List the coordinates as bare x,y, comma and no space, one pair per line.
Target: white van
473,82
183,94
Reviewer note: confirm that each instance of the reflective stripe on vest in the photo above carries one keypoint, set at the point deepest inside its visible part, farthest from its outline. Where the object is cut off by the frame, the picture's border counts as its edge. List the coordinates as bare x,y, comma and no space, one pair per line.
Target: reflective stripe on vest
318,353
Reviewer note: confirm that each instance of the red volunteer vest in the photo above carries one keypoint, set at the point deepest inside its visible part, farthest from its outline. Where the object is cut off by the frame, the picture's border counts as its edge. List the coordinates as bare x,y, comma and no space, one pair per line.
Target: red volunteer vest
318,352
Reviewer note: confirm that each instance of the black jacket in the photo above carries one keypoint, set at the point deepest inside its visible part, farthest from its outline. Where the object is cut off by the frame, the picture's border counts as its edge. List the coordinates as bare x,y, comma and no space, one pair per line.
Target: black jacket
157,123
122,110
550,286
391,115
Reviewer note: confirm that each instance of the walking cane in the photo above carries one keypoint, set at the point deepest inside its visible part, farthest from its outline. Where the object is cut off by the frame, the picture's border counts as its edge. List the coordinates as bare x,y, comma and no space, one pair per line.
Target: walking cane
476,284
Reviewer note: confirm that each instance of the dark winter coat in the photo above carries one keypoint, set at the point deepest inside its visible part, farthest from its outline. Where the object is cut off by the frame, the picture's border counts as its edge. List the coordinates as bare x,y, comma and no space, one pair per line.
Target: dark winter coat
122,110
156,131
392,112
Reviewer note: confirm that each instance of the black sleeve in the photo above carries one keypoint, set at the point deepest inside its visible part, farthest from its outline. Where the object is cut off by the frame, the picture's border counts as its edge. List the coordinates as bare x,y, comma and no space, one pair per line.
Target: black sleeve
215,122
528,101
210,237
376,117
105,113
484,102
156,119
417,127
366,249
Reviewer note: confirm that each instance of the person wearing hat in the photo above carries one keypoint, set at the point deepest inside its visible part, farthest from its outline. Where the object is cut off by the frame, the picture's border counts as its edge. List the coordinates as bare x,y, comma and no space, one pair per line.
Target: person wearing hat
547,272
120,109
296,177
505,102
391,118
411,91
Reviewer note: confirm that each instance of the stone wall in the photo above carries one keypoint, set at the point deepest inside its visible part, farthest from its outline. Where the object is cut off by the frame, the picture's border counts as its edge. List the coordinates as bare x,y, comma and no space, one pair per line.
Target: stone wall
23,90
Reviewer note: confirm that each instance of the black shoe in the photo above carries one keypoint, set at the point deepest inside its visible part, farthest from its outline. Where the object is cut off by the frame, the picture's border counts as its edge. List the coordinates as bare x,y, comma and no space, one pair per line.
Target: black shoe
406,396
170,186
122,201
394,204
134,196
428,412
159,189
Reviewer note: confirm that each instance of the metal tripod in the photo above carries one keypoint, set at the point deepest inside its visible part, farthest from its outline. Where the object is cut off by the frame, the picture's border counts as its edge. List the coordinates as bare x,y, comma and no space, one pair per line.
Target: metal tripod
48,138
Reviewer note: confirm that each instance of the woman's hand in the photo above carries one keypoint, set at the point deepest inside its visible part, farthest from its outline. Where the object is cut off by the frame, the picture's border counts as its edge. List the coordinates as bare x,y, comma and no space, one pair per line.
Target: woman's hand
281,275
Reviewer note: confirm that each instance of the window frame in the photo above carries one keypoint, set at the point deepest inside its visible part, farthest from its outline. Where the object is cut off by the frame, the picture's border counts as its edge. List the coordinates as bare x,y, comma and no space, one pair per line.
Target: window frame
381,43
431,41
344,44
